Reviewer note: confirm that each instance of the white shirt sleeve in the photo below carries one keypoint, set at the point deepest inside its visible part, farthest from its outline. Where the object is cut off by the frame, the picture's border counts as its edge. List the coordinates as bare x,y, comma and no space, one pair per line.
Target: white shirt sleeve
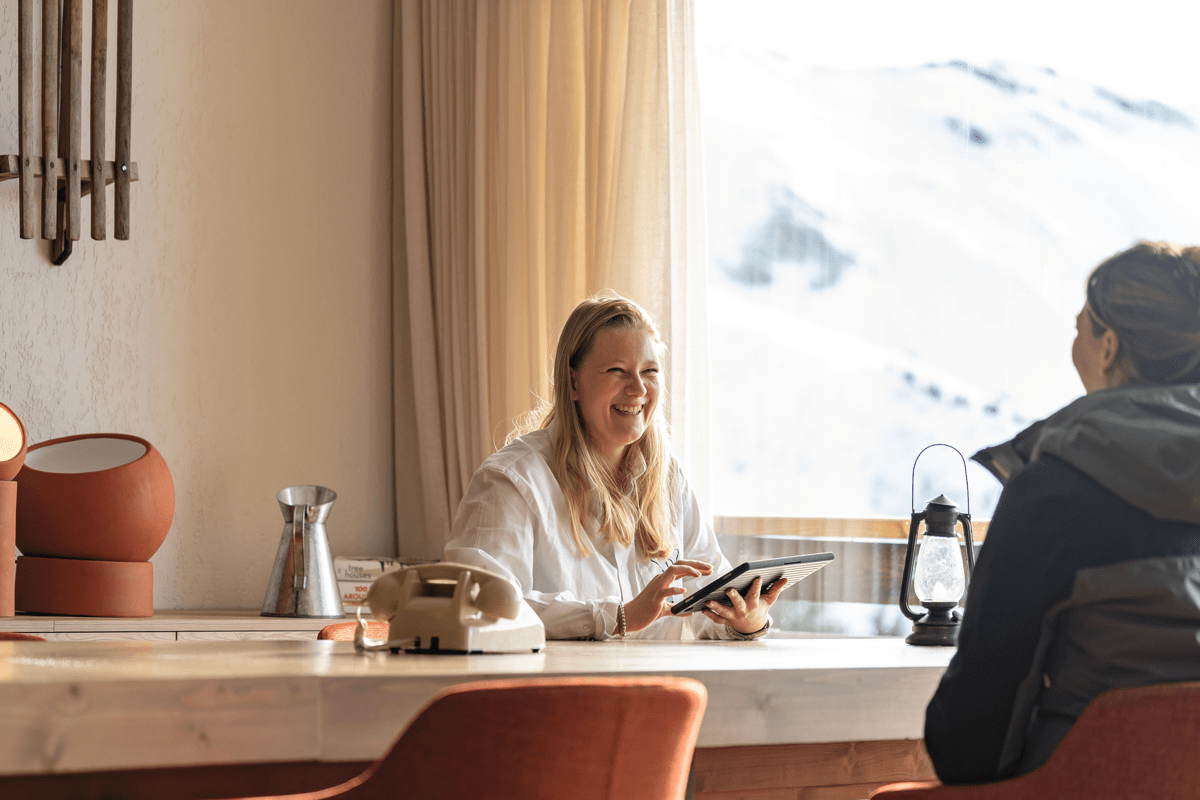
514,520
497,528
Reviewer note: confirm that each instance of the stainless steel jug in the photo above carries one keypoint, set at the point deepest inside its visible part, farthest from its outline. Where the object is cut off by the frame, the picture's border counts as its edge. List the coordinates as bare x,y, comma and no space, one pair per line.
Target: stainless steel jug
302,582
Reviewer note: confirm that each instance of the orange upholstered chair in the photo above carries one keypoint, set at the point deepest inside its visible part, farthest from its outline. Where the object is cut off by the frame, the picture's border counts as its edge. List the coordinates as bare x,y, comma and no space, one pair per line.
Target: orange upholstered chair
6,636
344,631
542,738
1140,742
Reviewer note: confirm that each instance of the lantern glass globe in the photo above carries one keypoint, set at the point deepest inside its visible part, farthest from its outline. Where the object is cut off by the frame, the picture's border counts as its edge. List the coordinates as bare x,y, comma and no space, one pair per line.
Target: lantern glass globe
939,575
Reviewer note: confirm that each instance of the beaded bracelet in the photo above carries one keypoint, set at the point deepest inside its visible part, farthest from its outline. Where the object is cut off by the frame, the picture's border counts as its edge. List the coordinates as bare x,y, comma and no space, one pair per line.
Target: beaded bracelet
734,633
621,620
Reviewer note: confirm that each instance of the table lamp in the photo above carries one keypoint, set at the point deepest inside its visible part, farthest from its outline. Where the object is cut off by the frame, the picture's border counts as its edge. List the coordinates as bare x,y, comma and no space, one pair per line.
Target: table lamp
938,578
12,457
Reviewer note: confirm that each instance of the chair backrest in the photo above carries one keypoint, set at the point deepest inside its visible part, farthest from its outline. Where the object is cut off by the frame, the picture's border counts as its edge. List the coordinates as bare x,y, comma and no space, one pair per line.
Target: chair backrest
1141,741
8,636
344,631
1137,742
541,739
535,739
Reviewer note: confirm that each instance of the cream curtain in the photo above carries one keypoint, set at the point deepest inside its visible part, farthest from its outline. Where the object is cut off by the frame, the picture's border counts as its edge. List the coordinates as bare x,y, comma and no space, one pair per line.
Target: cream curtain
544,150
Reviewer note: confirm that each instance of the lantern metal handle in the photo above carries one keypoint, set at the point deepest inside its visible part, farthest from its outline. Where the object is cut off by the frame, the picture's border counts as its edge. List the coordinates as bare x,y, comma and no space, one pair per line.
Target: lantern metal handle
906,578
965,519
913,483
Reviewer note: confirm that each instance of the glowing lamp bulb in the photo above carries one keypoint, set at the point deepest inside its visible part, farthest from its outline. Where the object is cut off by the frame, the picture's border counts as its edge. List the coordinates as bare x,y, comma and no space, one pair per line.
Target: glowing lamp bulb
12,444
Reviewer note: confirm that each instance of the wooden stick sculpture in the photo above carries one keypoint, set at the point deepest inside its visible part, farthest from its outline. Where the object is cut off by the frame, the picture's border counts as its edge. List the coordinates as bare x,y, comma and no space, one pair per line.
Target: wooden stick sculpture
99,75
50,174
66,177
25,102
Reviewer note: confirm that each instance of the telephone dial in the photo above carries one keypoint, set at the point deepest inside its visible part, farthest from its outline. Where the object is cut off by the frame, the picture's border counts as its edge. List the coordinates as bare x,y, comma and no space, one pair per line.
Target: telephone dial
453,609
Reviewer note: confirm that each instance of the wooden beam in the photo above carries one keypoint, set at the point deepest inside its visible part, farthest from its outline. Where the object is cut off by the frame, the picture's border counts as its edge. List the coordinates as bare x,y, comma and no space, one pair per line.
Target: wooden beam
27,141
9,170
187,783
820,771
51,14
826,527
73,107
99,87
124,116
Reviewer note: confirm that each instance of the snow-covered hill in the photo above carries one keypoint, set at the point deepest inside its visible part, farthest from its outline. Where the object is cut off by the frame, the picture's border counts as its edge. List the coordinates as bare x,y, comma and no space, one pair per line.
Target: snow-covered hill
897,257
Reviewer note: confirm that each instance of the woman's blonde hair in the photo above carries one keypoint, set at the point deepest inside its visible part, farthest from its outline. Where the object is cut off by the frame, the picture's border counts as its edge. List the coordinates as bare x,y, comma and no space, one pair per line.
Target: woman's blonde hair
641,510
1150,296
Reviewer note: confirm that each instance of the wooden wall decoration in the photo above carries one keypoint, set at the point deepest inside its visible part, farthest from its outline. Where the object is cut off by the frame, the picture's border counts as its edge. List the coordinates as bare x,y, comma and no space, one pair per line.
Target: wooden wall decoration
66,177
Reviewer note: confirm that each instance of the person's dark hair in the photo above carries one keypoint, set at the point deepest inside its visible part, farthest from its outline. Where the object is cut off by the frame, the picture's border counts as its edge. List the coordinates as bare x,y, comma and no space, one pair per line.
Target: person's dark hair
1150,296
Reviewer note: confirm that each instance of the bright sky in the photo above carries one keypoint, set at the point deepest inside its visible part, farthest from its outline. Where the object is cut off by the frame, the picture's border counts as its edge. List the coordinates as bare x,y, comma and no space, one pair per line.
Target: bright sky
1145,50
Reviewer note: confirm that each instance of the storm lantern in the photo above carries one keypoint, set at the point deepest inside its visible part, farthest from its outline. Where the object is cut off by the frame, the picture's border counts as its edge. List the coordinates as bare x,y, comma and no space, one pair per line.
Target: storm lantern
937,578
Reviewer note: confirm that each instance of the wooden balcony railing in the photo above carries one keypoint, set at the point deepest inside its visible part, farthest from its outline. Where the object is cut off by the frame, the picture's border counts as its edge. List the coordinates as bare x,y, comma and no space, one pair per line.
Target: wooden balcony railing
869,553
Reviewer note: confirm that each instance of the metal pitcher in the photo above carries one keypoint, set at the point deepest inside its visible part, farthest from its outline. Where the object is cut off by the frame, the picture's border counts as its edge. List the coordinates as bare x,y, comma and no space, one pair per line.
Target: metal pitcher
302,582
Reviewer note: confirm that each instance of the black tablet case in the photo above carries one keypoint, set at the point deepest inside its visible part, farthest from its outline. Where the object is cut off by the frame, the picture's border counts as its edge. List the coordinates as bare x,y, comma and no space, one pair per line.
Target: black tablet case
794,568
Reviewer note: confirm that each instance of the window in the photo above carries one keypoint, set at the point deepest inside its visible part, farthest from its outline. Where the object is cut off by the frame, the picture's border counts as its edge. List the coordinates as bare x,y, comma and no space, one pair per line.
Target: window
904,201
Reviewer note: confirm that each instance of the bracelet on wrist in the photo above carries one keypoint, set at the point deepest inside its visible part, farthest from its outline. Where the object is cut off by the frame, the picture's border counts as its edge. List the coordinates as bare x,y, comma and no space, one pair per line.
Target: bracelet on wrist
734,633
621,627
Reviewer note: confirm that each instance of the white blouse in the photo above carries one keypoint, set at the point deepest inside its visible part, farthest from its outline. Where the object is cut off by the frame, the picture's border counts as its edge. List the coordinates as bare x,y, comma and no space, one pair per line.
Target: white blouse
514,520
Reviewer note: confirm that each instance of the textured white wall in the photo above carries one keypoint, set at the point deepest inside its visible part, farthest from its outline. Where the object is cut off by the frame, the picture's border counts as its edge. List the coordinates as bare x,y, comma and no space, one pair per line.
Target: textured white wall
244,328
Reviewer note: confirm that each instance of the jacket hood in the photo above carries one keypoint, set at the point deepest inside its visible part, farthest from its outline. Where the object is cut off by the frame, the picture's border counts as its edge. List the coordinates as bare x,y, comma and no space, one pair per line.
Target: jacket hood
1140,442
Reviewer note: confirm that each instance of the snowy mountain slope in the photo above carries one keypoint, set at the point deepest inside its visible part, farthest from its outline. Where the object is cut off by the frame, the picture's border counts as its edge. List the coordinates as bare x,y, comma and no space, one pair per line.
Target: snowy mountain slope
897,258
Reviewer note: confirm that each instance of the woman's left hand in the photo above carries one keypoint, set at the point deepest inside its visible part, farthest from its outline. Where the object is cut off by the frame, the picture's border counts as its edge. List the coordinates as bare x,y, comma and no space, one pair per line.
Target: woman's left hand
748,614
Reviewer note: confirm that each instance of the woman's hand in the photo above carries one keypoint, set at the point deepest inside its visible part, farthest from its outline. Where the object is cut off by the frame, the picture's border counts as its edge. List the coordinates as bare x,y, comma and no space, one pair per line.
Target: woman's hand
651,603
749,613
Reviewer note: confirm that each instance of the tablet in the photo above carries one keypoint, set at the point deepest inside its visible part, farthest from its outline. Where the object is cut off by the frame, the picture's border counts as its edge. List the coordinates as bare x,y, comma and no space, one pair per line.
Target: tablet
794,568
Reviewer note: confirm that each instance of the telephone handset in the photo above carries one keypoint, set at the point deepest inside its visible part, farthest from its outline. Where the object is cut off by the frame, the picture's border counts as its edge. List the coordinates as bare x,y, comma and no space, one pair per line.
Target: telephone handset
452,608
478,596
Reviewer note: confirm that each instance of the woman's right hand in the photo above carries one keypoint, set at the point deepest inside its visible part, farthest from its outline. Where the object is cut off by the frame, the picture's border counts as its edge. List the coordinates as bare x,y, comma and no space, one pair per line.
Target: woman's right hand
651,603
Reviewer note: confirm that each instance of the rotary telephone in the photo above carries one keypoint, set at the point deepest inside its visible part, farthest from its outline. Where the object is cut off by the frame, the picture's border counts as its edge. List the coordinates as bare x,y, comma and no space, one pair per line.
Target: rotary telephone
453,609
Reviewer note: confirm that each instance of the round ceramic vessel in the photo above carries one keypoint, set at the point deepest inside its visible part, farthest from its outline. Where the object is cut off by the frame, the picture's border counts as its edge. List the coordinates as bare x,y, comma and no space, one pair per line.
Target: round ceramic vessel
102,496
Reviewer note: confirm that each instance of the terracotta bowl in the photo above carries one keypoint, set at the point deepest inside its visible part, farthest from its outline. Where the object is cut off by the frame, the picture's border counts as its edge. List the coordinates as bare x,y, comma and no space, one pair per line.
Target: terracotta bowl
101,496
12,444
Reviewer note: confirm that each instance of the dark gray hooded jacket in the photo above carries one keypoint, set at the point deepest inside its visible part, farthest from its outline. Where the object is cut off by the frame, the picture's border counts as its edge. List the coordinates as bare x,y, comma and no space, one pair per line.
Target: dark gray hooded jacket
1089,579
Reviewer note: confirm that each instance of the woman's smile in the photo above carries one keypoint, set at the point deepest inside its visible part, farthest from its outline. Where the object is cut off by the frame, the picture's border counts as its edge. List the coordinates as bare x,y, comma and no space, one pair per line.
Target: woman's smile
616,389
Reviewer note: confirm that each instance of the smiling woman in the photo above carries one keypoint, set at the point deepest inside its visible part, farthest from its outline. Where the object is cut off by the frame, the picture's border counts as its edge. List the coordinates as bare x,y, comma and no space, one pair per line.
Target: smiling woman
616,387
590,514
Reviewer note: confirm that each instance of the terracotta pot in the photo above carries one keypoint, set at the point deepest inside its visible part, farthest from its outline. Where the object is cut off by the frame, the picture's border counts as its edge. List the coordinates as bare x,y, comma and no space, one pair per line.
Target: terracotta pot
102,496
12,444
85,588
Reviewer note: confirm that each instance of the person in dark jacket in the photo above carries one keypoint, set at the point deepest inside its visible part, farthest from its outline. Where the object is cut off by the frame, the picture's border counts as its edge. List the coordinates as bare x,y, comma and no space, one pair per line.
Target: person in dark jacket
1090,575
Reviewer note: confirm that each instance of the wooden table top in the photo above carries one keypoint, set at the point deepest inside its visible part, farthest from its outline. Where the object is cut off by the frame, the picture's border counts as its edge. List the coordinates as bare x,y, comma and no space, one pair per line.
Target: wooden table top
72,706
167,620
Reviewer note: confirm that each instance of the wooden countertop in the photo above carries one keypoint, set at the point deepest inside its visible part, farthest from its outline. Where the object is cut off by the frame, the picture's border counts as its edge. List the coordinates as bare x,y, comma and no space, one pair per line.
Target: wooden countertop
73,706
166,620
